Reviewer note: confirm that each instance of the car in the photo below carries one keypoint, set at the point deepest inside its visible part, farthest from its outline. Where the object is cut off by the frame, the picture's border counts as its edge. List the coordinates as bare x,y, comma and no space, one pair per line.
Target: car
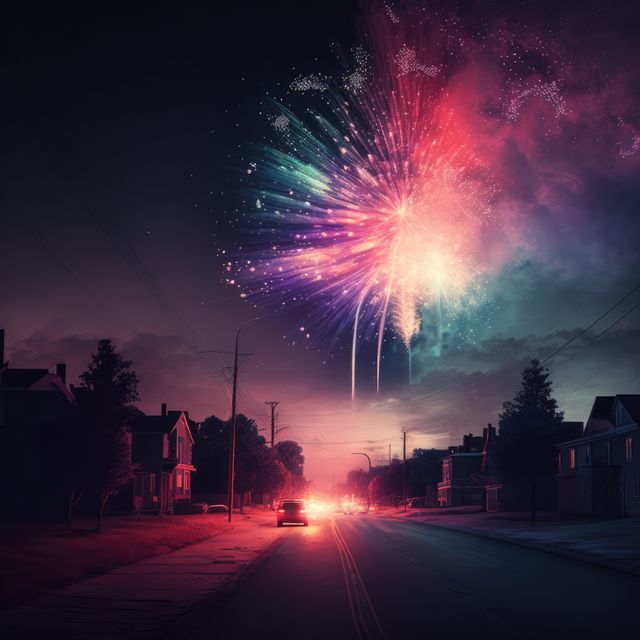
217,508
187,508
292,512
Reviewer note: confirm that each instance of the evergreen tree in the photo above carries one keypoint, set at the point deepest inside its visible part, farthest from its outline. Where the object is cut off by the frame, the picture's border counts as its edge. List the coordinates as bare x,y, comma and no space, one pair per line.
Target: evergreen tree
105,400
525,450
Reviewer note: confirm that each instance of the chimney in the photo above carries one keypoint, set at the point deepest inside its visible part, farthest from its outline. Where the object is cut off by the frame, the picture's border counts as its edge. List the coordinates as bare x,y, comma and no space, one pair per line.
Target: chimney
1,348
61,371
163,411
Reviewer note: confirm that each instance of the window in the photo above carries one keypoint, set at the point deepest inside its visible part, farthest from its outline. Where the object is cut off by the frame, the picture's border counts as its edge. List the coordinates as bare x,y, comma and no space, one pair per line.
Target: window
628,449
187,481
572,458
179,479
587,454
636,486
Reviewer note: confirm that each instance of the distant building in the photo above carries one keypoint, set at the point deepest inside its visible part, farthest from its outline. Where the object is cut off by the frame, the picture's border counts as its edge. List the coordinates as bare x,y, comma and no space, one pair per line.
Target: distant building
462,471
599,472
35,406
162,448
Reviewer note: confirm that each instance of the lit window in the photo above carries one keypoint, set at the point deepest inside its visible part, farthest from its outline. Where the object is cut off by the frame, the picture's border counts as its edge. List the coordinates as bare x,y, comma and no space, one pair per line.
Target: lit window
572,458
187,481
628,449
179,479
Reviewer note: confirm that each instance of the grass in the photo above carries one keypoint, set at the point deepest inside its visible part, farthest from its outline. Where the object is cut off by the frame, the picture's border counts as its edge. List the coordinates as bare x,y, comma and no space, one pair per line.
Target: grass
35,558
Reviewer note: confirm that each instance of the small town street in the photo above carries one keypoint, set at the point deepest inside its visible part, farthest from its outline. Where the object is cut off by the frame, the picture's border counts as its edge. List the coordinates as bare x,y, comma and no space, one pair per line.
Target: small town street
418,581
345,576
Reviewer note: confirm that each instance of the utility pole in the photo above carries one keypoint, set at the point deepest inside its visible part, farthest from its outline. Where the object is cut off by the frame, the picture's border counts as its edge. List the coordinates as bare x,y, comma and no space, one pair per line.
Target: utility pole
404,470
273,404
232,448
234,426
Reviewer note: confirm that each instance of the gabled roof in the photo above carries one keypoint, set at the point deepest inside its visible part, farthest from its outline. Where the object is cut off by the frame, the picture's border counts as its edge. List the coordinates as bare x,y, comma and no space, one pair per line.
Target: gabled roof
160,424
52,382
631,403
602,406
601,416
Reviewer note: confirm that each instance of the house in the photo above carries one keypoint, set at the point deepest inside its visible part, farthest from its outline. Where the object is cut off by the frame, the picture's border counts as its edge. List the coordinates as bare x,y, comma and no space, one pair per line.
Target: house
162,450
462,471
599,472
35,406
515,495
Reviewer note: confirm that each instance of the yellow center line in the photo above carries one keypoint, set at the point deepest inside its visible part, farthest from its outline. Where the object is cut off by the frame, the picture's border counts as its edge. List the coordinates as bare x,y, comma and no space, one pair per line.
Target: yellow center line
363,613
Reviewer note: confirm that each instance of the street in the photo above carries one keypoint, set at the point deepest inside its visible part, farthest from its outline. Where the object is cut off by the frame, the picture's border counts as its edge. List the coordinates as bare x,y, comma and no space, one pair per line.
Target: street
371,577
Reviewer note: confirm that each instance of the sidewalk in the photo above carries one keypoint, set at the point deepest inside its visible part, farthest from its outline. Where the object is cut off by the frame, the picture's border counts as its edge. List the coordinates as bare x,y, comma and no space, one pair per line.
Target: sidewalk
142,600
610,543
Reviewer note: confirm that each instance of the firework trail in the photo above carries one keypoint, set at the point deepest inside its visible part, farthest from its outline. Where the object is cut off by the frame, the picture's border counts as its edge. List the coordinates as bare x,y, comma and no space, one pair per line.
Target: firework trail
374,205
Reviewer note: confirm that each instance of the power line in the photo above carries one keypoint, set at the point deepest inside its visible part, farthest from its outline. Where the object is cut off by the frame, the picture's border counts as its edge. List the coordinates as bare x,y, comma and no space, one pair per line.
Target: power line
66,268
581,333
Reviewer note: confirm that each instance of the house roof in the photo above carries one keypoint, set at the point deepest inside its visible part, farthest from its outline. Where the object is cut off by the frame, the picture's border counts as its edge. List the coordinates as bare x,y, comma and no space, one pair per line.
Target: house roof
602,406
21,378
52,382
160,424
631,403
154,424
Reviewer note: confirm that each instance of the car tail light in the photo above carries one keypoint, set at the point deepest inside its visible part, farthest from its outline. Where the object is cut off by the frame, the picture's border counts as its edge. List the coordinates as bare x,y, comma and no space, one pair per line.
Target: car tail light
280,510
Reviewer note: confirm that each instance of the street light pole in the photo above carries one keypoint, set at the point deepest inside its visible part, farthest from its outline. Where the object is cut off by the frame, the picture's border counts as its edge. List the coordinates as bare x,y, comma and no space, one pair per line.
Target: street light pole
359,453
404,470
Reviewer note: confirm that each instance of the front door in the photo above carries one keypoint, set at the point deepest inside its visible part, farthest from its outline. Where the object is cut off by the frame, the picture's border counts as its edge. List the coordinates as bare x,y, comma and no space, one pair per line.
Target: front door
166,504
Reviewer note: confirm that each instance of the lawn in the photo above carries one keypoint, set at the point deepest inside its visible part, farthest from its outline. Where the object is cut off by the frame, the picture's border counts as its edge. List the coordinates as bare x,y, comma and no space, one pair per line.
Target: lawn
35,558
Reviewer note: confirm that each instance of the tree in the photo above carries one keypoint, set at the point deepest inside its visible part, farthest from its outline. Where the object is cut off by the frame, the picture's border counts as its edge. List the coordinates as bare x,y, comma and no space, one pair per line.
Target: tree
109,387
290,453
525,448
424,468
211,456
259,468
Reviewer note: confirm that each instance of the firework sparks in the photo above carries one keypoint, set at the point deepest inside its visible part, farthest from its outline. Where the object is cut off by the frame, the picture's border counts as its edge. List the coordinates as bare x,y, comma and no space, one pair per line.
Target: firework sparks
392,16
357,79
313,82
548,91
377,207
280,123
407,61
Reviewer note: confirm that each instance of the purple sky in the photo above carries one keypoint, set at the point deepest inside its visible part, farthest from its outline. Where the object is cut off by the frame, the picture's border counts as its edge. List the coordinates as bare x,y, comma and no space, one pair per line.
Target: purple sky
120,144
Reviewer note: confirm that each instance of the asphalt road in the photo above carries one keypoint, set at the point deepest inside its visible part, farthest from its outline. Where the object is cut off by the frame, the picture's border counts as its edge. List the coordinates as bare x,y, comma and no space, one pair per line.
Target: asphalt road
361,577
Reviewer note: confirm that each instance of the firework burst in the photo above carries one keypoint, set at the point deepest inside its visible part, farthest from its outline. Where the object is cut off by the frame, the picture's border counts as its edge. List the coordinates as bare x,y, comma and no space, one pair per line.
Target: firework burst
374,206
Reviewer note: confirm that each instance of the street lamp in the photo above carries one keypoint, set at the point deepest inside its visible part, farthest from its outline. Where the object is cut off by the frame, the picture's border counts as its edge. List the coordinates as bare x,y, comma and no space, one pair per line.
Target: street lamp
232,448
359,453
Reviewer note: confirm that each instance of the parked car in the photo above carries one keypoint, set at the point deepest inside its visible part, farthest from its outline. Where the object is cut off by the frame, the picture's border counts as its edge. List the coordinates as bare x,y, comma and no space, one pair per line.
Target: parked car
292,512
217,508
187,508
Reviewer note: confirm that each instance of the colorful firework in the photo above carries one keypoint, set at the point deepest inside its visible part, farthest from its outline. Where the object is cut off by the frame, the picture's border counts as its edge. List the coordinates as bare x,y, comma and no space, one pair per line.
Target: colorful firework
375,205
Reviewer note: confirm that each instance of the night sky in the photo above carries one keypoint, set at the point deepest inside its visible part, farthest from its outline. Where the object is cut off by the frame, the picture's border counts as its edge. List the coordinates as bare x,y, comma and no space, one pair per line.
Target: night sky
123,135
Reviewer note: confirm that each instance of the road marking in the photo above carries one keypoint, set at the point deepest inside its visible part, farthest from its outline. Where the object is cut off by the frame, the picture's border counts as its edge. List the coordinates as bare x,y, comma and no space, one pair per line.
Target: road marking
363,614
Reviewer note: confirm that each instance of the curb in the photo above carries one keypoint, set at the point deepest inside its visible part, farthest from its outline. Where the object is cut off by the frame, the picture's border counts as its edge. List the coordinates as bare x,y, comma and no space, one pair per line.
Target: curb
185,624
559,551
